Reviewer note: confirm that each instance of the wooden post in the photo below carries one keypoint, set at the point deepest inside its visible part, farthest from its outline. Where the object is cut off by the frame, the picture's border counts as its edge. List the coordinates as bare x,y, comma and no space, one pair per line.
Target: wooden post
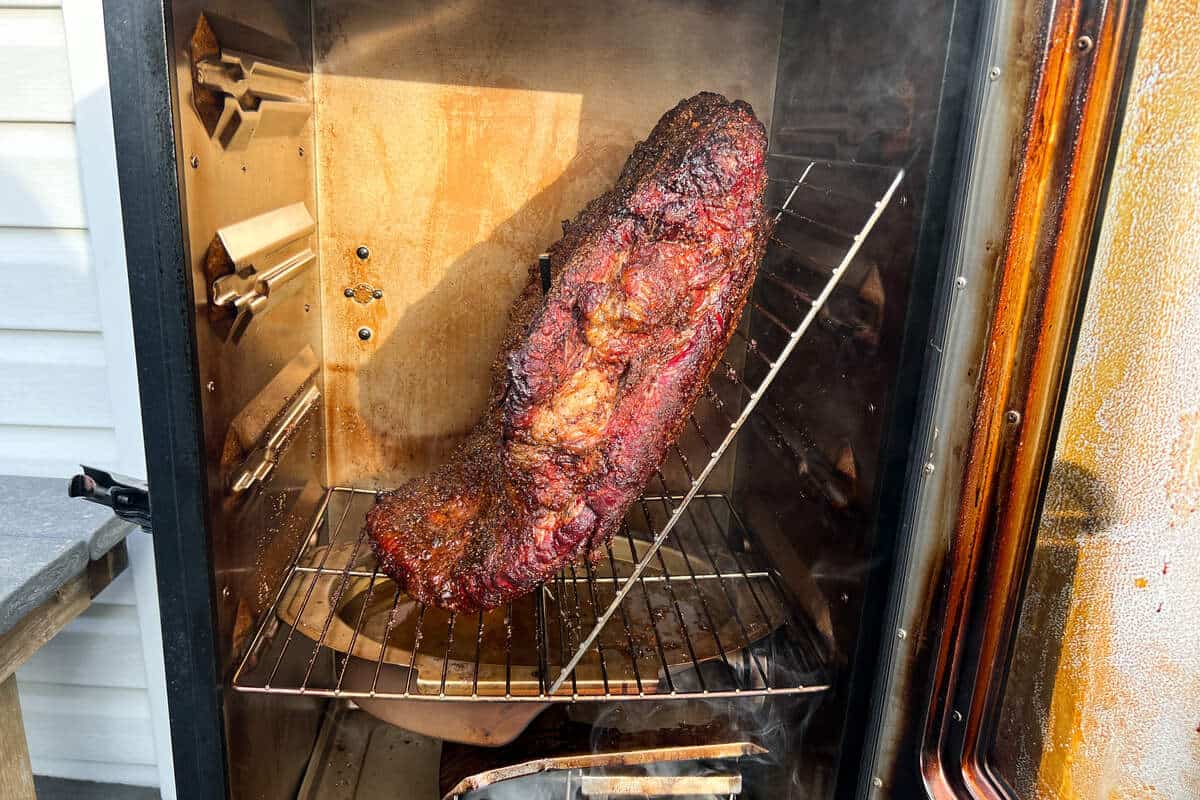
16,773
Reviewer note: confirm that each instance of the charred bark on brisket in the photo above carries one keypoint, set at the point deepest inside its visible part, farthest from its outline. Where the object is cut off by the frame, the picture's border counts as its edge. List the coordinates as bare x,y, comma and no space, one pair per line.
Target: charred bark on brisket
595,380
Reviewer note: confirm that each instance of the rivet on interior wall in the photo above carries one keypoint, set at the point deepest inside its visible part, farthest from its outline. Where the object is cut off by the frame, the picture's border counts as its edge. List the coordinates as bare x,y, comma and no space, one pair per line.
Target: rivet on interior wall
993,73
1083,44
363,252
195,162
364,333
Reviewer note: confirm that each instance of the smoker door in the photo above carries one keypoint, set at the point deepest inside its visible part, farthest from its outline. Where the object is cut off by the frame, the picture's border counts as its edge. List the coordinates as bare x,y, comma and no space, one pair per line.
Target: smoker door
955,712
1112,581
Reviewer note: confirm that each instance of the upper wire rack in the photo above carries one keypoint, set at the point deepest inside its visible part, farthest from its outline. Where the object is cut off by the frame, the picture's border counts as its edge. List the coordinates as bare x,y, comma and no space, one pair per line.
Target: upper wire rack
793,215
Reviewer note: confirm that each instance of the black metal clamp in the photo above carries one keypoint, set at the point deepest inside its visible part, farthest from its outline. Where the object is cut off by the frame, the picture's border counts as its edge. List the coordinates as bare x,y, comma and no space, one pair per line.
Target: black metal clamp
129,498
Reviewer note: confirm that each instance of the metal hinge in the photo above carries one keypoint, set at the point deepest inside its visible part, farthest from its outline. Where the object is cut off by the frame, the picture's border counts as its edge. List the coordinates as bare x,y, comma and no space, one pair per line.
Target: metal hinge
127,497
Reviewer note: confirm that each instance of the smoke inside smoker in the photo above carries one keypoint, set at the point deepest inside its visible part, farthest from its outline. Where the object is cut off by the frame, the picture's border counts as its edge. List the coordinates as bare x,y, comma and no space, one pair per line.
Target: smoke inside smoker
594,380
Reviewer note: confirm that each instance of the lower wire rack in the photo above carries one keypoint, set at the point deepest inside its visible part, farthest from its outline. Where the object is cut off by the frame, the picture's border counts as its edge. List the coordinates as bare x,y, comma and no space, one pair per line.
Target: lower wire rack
707,620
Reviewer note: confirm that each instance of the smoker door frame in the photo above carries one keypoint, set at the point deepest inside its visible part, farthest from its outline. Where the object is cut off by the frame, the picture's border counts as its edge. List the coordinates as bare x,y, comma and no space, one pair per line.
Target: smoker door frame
139,48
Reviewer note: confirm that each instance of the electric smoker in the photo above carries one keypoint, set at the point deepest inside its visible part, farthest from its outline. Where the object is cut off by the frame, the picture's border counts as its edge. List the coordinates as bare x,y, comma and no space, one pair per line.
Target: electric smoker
329,207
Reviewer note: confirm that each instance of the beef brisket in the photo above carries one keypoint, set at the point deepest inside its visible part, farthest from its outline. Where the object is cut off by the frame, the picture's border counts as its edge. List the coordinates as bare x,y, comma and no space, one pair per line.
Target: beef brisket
595,379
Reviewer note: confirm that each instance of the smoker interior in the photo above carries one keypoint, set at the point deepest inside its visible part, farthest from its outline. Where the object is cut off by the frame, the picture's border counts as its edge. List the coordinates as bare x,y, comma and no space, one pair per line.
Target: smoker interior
358,223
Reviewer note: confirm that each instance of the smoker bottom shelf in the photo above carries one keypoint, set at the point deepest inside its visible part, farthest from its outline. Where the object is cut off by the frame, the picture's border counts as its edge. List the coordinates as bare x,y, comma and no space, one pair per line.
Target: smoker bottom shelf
705,619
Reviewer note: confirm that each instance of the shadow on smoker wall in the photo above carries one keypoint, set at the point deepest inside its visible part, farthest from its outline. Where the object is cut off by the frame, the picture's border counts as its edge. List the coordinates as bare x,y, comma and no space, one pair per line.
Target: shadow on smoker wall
426,340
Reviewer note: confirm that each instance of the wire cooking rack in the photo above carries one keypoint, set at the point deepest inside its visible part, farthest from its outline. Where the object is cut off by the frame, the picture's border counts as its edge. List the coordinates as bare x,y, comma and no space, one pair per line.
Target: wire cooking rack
682,603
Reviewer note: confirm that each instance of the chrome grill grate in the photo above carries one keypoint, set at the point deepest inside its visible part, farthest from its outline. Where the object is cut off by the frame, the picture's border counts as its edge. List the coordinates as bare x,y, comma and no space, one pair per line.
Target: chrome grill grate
681,603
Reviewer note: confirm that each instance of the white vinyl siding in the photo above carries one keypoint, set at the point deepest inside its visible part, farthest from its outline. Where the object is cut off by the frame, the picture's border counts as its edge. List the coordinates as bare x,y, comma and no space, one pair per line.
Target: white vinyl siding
93,699
53,449
39,169
64,372
63,295
48,287
33,50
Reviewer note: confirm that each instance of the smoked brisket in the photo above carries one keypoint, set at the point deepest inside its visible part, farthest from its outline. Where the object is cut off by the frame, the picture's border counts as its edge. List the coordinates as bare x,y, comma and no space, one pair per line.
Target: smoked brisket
596,378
